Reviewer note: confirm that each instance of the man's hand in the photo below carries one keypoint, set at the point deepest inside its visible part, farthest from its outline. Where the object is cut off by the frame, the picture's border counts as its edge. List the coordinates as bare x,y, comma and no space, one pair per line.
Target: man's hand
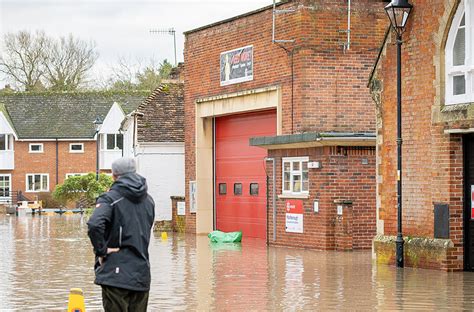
109,251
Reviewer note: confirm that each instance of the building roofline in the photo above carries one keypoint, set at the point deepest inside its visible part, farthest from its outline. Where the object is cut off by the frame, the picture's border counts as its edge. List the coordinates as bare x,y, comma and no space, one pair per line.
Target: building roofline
314,139
231,19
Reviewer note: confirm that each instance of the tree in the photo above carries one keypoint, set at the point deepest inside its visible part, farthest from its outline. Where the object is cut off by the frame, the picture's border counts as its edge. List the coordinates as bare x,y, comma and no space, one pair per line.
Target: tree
133,76
68,61
82,187
30,60
23,58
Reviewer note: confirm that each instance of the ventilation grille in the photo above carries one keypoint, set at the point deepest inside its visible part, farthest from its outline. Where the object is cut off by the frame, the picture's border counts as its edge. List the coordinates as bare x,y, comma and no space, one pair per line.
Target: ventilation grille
352,150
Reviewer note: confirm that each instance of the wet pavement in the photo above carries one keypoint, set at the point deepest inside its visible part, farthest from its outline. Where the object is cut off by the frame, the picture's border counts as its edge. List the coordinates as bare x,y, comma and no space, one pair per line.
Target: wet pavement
43,257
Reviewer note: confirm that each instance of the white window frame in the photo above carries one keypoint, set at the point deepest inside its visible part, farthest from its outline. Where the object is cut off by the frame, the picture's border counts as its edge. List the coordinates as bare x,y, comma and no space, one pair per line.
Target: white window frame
38,144
68,175
465,8
9,187
42,176
76,151
8,142
103,141
292,160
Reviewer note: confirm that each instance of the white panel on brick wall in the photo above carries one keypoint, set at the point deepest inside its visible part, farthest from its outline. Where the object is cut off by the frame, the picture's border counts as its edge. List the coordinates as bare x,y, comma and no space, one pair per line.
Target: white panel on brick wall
162,164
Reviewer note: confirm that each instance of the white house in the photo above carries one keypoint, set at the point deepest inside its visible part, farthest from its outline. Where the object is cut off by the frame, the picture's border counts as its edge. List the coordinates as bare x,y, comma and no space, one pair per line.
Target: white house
154,135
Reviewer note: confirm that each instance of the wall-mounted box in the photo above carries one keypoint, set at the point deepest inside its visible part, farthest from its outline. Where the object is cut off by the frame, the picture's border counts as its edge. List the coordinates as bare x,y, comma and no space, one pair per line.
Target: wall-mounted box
314,165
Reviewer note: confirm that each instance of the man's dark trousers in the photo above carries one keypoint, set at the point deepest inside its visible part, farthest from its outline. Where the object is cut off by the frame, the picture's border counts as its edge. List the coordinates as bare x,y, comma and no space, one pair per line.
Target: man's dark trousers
123,300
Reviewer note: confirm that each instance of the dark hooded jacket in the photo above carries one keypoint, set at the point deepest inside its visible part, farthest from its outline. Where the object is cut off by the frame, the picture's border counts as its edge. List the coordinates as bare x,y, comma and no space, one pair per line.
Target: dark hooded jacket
123,219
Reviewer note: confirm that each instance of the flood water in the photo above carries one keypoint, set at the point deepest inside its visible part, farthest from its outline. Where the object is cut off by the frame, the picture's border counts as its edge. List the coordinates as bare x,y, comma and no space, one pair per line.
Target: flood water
43,257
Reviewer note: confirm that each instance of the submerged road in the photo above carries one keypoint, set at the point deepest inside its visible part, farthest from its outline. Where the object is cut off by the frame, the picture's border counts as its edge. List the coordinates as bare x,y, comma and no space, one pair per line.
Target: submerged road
43,257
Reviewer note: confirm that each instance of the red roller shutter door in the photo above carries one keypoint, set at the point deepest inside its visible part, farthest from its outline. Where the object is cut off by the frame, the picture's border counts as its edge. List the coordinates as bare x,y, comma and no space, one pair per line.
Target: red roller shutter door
240,167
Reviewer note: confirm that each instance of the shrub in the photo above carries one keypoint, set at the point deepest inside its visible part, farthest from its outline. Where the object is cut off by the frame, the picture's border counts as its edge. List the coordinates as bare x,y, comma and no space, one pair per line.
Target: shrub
82,187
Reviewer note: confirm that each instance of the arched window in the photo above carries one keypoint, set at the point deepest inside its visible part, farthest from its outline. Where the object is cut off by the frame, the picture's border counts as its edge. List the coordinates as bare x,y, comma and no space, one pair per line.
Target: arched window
460,56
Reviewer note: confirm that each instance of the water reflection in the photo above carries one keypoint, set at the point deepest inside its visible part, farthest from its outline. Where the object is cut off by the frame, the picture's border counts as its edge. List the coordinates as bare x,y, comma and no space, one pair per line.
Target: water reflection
43,257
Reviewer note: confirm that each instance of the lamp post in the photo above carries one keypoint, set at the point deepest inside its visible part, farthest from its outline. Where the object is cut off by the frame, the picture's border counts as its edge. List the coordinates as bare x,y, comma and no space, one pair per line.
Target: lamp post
97,124
398,12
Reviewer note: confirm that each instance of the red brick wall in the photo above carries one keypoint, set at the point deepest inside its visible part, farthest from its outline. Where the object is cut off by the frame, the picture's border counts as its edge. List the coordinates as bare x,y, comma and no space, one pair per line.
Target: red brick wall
26,162
342,178
432,160
329,85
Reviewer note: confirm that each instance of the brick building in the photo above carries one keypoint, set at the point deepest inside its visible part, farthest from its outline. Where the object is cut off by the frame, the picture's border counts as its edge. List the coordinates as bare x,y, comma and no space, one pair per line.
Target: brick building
437,127
280,137
46,137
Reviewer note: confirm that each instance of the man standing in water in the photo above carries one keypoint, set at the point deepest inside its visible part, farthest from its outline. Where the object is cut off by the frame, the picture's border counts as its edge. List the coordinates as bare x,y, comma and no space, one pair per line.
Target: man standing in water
120,230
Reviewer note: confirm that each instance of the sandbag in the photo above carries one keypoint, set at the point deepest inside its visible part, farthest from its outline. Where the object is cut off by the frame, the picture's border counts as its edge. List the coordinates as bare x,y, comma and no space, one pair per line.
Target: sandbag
222,237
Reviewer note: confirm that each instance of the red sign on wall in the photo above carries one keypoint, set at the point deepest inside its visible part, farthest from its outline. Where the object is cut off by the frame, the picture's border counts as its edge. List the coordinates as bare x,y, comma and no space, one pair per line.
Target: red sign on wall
294,206
294,216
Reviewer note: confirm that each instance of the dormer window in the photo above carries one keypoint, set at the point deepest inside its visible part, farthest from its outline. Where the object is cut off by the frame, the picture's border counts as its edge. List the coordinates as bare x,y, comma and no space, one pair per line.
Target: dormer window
460,56
111,141
6,142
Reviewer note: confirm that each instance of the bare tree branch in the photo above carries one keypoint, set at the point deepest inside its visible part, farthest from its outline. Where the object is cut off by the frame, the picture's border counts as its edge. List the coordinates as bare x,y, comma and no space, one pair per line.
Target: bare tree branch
68,62
32,61
21,59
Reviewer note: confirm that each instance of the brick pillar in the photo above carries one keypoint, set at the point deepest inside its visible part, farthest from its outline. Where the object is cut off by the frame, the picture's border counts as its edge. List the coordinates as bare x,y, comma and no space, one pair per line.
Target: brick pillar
178,221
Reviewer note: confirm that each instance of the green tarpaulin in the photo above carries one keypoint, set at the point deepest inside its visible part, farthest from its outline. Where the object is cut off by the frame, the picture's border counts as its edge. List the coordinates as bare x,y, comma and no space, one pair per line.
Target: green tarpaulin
222,237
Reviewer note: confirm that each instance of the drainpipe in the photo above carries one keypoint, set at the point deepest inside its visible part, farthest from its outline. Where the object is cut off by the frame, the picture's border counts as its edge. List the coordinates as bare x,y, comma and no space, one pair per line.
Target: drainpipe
57,161
273,195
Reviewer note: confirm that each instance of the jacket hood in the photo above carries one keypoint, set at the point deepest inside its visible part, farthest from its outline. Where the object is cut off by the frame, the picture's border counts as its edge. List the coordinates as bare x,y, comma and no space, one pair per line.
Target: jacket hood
132,186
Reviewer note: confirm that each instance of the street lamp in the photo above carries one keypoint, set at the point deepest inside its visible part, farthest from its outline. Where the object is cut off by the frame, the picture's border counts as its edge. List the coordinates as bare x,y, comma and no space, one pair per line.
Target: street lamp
97,124
398,12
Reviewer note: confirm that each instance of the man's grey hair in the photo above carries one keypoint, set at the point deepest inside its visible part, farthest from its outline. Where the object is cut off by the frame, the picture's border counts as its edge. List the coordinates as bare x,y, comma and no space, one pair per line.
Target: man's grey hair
123,166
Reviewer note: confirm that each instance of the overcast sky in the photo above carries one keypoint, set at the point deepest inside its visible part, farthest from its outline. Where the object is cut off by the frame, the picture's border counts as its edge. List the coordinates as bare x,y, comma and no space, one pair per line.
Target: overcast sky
120,27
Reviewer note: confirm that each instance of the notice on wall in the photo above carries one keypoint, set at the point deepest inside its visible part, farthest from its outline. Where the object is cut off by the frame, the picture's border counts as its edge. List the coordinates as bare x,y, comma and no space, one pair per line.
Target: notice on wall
192,197
472,201
294,216
181,208
236,65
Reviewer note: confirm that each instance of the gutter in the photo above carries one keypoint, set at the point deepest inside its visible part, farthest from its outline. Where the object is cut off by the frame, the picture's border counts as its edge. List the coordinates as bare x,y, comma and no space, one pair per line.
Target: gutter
314,139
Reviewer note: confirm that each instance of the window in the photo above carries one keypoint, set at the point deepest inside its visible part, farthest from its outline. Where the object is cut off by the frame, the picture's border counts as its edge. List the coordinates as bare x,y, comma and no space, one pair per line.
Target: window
6,142
36,147
76,148
295,175
37,182
111,141
5,185
254,189
222,188
237,188
459,56
68,175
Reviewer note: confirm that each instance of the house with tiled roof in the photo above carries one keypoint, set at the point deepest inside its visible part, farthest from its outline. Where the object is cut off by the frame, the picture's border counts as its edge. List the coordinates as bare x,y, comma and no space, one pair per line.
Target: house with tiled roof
157,128
46,137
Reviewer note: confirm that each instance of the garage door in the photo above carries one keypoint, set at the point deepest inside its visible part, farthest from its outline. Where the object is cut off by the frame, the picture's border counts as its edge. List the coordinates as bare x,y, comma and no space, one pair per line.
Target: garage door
240,173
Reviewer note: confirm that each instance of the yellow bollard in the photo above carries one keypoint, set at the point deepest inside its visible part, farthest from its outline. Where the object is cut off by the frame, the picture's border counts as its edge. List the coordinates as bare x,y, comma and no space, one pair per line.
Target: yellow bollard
164,235
76,301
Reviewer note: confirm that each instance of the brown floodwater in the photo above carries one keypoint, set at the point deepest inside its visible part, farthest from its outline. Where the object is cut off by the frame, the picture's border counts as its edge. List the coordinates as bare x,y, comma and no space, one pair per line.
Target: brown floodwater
43,257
